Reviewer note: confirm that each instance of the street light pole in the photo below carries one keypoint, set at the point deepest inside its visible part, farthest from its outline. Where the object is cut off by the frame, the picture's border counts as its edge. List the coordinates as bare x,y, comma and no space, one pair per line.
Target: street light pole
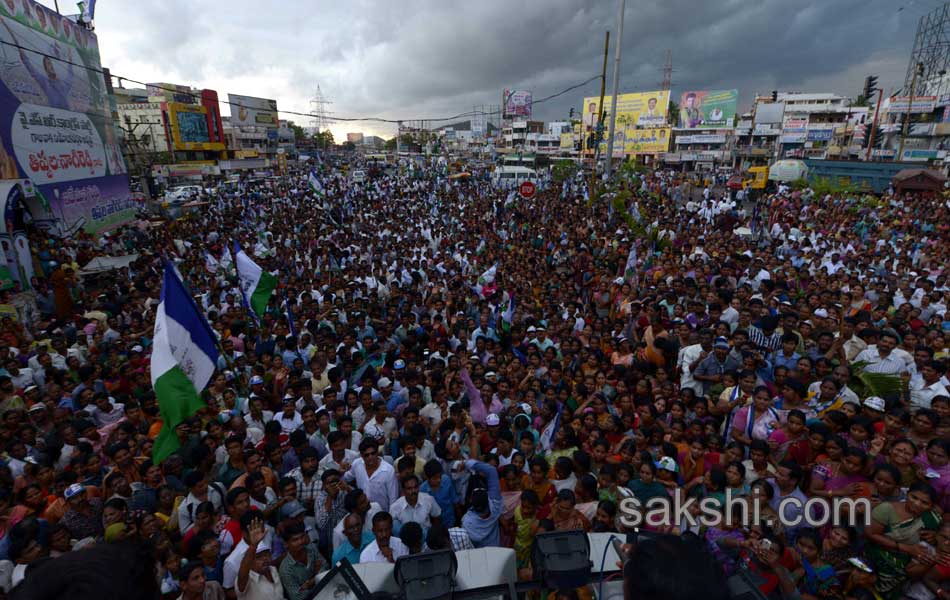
613,99
910,106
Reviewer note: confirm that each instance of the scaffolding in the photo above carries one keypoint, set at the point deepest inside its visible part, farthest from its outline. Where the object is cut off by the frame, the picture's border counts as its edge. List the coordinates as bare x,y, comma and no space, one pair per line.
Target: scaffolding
318,110
932,50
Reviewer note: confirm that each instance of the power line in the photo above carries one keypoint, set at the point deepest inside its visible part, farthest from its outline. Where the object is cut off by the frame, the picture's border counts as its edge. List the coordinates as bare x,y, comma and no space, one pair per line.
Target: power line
289,112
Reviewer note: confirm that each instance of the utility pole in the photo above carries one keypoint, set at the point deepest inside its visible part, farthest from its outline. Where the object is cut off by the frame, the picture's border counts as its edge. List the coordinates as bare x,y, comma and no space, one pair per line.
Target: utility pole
877,109
613,100
667,71
600,117
398,141
910,106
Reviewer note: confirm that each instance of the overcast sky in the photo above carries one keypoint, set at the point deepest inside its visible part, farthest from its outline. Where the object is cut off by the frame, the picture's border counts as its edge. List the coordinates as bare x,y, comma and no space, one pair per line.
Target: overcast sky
429,58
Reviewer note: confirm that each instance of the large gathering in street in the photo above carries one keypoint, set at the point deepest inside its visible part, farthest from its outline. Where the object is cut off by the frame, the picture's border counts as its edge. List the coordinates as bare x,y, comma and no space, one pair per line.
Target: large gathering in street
658,345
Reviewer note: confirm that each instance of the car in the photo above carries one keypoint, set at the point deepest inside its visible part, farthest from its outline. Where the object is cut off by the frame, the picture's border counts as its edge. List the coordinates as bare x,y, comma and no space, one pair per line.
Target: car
359,176
182,193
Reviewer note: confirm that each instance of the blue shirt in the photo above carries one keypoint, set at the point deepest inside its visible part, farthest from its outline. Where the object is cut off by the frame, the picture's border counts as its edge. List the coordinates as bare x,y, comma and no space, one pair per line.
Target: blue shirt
347,551
445,497
789,362
484,531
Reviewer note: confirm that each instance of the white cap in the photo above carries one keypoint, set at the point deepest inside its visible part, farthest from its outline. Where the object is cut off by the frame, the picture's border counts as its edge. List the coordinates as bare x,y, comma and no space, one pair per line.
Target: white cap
875,403
492,420
384,382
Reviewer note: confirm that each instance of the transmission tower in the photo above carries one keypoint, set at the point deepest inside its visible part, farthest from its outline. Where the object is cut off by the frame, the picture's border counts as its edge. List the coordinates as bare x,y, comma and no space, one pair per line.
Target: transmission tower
667,71
932,50
318,110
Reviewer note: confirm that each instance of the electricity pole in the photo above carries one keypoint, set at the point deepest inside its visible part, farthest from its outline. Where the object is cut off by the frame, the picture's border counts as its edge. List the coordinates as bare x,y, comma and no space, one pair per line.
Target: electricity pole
613,100
595,134
910,106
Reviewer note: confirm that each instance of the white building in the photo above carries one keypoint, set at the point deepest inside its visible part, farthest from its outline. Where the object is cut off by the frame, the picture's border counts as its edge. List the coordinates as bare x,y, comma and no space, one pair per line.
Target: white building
142,127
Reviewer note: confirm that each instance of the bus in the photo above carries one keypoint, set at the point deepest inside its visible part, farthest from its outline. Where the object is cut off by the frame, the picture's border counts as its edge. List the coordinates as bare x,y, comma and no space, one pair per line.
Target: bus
376,160
516,175
519,160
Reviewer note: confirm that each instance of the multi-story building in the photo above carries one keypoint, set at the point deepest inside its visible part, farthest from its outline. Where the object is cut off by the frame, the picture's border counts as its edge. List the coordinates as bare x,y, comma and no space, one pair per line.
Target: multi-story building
516,134
166,124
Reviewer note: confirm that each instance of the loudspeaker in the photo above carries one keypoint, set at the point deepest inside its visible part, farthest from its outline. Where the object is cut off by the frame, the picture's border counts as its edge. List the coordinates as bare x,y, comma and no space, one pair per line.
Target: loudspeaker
561,559
426,576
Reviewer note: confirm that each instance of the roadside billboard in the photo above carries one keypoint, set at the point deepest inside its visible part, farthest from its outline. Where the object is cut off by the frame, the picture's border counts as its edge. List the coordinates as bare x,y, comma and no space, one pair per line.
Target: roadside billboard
248,110
645,141
920,104
517,103
820,135
56,127
708,109
188,124
639,110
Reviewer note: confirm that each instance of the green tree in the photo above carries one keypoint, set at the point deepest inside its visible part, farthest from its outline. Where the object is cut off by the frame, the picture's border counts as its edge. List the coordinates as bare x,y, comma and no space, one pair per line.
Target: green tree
563,169
860,101
673,115
390,145
324,139
299,133
349,146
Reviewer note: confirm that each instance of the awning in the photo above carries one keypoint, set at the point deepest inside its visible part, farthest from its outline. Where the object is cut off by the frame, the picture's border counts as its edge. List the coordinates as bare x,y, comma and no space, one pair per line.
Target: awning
103,264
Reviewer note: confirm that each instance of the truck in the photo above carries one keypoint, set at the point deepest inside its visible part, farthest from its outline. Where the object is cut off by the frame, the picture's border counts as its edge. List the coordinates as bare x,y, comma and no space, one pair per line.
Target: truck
754,178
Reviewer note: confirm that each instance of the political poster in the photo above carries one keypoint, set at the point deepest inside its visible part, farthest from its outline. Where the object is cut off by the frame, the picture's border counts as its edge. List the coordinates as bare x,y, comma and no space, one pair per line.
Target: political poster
57,129
250,111
639,110
518,103
707,109
645,141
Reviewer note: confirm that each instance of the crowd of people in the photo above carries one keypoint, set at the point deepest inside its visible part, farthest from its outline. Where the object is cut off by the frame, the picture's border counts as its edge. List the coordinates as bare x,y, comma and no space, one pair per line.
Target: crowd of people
446,365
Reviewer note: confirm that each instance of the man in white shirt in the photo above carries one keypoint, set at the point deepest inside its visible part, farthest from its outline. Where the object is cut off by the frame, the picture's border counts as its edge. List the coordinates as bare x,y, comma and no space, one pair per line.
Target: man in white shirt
929,387
289,419
881,358
381,425
232,564
689,355
373,475
414,506
340,457
257,579
385,548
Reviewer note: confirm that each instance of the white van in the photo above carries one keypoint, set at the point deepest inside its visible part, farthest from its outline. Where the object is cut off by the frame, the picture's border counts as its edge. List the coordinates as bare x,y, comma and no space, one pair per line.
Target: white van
182,193
358,176
513,175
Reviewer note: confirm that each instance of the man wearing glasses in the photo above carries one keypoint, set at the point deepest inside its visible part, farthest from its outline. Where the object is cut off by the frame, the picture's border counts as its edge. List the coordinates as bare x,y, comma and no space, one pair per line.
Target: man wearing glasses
356,540
373,475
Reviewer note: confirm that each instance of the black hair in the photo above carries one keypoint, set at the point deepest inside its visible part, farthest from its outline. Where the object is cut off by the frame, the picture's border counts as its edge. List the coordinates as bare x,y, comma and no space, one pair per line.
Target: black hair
654,571
410,534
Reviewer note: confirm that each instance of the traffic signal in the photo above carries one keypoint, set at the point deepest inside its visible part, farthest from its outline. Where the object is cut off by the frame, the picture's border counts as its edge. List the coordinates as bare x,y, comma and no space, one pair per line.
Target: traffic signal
870,87
571,113
774,95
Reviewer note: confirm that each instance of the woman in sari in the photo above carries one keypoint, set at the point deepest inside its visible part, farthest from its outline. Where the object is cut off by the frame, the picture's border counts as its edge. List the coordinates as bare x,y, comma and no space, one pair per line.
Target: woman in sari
815,577
828,464
756,421
511,488
896,531
539,483
849,480
901,457
790,441
933,466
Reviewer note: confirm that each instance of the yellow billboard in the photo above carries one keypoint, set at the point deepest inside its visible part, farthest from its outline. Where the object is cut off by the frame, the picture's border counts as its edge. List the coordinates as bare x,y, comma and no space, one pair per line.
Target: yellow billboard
567,141
189,127
642,141
636,111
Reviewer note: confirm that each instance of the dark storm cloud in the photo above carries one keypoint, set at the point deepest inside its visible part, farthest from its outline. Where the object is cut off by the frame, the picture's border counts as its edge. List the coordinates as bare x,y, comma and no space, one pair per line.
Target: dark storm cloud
422,58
